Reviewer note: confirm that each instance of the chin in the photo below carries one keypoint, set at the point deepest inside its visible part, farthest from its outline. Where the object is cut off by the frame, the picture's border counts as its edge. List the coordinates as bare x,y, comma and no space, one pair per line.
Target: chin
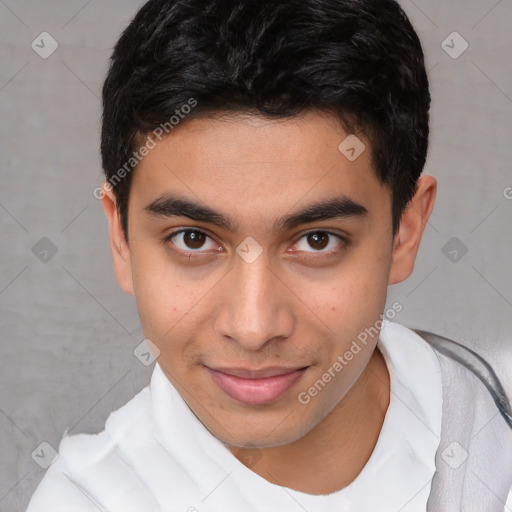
248,431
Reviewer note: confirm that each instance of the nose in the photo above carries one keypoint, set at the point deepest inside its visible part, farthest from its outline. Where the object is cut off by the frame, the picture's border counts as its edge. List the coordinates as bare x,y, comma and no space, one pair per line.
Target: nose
255,305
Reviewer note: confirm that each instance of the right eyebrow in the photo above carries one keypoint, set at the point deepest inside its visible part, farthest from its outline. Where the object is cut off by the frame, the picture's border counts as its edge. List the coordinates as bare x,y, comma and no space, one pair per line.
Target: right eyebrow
173,206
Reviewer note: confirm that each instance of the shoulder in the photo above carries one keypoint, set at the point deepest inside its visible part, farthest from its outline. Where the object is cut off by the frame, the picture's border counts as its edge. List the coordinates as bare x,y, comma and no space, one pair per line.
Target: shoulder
473,398
91,470
467,375
473,462
463,370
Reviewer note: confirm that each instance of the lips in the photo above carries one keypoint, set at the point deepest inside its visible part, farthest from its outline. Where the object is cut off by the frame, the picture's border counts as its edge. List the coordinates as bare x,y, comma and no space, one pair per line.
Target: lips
256,387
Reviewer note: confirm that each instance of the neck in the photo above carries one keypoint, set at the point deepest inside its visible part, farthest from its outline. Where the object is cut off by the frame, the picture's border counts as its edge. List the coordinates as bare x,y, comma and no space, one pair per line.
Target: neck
332,454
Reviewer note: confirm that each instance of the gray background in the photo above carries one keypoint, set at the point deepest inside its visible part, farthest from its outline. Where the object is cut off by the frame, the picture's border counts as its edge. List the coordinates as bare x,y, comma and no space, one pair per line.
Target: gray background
68,332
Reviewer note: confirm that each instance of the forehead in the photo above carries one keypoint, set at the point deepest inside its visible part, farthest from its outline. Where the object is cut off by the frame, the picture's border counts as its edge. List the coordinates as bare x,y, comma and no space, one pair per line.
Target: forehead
257,167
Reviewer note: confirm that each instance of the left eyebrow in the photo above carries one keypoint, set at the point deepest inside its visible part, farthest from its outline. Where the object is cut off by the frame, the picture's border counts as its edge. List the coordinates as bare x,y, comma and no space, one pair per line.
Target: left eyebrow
334,208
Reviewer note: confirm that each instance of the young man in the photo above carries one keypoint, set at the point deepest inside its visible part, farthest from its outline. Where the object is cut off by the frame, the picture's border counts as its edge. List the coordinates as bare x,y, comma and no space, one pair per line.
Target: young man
263,189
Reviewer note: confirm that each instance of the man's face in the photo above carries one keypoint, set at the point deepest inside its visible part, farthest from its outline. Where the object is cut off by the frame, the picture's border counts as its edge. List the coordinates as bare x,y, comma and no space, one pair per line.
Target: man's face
250,313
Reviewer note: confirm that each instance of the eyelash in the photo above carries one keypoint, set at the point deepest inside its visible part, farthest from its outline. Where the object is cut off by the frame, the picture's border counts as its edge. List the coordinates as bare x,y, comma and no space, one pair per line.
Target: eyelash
197,254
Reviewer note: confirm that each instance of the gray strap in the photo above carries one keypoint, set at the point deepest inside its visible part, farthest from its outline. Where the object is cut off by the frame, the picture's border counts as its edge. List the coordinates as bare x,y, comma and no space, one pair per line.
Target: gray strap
474,458
477,365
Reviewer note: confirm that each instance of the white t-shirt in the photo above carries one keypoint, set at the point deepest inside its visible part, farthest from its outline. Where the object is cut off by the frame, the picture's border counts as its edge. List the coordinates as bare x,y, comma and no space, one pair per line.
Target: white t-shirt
155,455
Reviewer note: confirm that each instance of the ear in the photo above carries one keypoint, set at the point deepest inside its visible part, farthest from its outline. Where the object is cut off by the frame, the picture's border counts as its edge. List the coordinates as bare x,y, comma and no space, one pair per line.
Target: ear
121,257
412,224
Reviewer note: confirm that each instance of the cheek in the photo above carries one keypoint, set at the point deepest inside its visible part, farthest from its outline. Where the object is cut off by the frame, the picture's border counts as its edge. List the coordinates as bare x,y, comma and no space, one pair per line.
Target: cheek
352,296
351,307
166,298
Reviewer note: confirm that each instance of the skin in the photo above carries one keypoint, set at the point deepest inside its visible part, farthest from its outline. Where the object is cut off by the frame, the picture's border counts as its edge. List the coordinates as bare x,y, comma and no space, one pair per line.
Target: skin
293,306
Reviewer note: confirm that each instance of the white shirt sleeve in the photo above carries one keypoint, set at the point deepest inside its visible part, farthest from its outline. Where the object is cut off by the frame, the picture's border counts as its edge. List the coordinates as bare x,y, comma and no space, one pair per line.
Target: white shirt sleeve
58,493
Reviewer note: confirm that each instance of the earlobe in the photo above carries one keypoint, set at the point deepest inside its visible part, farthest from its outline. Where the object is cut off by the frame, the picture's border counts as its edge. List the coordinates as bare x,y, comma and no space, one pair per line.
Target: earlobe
412,225
121,255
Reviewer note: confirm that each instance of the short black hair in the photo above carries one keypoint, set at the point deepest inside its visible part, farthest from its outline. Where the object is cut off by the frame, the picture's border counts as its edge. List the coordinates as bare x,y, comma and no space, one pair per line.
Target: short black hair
360,60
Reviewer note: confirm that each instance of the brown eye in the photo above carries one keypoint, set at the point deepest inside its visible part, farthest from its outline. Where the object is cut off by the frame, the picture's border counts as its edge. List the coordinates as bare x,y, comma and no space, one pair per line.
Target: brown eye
321,242
194,239
318,240
191,240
